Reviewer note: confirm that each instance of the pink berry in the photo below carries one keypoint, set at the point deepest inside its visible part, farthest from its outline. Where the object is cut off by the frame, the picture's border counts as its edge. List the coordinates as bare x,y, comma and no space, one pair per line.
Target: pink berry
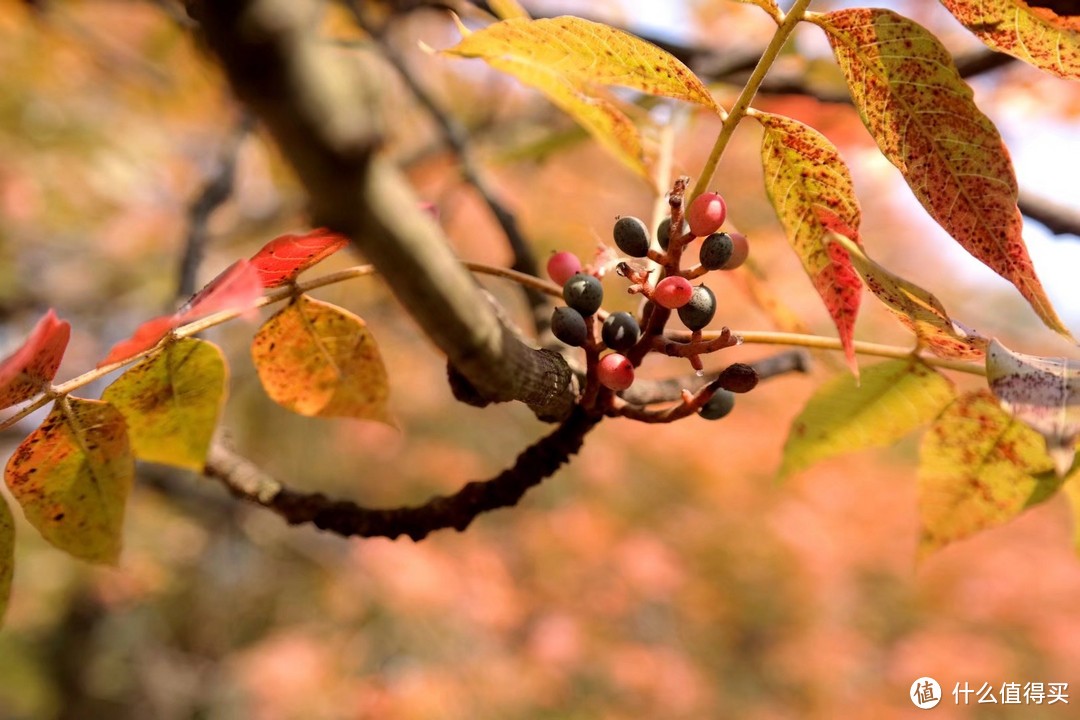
673,292
615,372
562,266
740,251
706,214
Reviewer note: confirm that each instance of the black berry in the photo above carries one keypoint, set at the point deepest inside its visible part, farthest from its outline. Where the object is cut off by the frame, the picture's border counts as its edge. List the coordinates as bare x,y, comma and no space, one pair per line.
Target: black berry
568,325
663,233
631,236
699,312
620,331
718,406
716,251
584,293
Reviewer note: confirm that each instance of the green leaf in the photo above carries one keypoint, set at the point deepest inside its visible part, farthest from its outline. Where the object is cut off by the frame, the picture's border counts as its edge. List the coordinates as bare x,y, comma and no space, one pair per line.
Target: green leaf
922,115
810,189
1038,36
72,477
890,400
172,401
317,359
1042,392
566,58
978,468
7,556
916,308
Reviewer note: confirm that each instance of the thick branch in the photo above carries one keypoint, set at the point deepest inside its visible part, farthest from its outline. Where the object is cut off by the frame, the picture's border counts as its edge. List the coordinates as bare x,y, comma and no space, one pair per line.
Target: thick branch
323,111
246,481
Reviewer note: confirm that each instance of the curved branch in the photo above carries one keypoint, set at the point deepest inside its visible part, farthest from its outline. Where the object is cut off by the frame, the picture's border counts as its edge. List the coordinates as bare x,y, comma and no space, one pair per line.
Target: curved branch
246,481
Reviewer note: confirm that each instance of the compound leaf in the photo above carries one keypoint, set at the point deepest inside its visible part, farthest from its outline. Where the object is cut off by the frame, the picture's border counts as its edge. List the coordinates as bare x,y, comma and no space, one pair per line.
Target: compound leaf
283,258
1036,35
317,359
810,189
25,372
890,400
145,337
922,115
72,477
7,556
1042,392
171,402
978,467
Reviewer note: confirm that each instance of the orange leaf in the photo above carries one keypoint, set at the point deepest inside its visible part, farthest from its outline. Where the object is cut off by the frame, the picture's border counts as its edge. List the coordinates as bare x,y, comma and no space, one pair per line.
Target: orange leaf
921,113
317,359
72,477
237,287
145,337
27,371
810,189
1036,35
285,257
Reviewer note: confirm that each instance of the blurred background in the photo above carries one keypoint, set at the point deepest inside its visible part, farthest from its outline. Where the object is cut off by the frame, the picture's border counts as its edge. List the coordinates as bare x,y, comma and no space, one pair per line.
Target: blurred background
664,573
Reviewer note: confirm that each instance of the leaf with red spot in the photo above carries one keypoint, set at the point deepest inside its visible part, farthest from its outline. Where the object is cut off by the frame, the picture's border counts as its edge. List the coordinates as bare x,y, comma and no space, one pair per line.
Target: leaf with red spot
27,371
916,308
7,555
978,468
237,287
72,477
1036,35
285,257
922,115
810,189
145,337
1042,392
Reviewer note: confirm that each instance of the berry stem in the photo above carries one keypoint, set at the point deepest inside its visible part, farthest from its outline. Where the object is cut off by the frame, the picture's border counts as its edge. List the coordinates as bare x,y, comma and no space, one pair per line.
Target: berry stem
786,24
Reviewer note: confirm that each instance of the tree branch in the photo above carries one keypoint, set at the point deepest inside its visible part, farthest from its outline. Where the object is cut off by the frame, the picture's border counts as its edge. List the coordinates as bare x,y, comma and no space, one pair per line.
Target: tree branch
323,112
348,519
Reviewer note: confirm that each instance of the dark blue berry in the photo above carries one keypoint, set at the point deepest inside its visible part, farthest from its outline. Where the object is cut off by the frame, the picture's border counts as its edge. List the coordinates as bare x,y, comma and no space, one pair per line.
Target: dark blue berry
699,312
716,251
568,325
584,293
663,233
631,236
718,406
620,331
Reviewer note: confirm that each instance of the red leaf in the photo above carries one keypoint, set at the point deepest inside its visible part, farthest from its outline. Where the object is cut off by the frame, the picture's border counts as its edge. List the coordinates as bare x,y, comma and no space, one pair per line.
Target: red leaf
235,288
27,370
145,337
285,257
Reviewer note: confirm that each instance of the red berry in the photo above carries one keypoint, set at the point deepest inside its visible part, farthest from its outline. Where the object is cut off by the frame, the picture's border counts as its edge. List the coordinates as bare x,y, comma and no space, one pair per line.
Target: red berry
615,372
562,266
706,214
673,292
740,250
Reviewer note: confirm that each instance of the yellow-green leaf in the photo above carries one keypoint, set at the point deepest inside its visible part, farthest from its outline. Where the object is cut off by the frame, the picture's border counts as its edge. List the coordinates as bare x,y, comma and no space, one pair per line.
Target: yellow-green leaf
891,399
171,402
317,359
1038,36
7,556
811,191
1042,392
921,113
916,308
72,477
567,58
1071,488
978,468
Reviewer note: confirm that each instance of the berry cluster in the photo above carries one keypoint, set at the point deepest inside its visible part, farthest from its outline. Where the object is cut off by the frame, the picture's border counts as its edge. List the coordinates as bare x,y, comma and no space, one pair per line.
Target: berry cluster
574,323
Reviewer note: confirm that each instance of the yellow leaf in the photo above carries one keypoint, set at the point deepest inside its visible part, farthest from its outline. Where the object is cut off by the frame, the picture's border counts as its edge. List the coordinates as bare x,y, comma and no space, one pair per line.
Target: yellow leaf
1038,36
317,359
890,400
171,402
978,468
7,555
1042,392
72,477
810,189
1071,488
922,115
566,58
508,9
918,309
